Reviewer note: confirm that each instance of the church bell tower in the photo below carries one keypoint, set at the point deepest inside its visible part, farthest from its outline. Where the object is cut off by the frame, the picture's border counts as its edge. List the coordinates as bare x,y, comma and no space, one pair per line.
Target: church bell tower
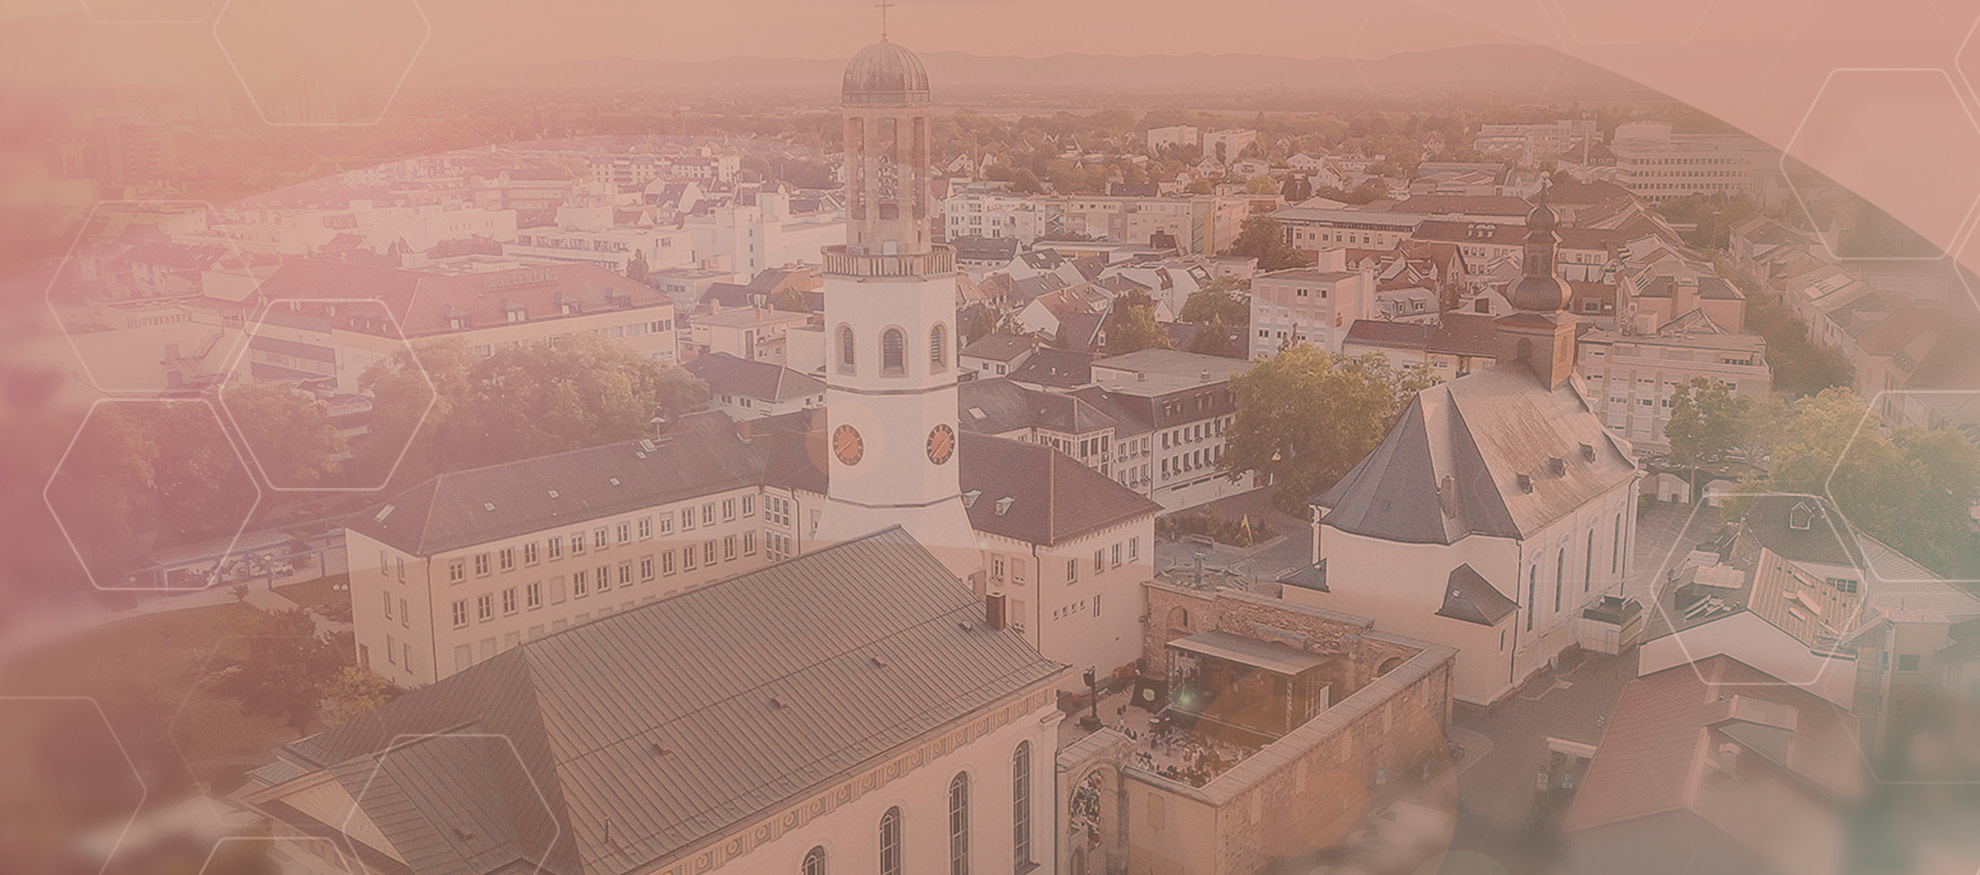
890,314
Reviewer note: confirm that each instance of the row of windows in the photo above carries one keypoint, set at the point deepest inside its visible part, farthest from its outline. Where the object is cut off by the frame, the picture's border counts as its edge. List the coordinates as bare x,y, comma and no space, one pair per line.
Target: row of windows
582,582
1192,461
1616,566
892,845
601,537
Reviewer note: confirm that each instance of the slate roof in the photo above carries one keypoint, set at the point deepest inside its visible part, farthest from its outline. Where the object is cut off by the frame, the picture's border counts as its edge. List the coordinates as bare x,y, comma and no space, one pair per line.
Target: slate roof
1472,334
700,455
999,250
999,347
997,406
1473,599
647,720
1388,335
1485,431
1057,368
1053,497
768,381
426,303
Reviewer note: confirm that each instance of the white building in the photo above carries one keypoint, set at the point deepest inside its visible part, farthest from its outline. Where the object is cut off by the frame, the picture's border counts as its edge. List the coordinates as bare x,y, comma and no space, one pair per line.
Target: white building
1631,377
1656,165
1173,136
1228,144
1314,305
996,215
588,235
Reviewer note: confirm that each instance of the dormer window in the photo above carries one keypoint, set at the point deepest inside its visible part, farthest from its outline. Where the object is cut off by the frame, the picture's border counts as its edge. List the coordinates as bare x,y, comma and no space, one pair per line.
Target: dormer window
1801,517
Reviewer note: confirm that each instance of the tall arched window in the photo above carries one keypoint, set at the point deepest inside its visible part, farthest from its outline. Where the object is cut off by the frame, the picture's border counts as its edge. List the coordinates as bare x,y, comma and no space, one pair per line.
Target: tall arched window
1588,565
1021,803
893,352
938,348
814,862
848,357
1560,574
1532,594
1615,548
959,825
890,842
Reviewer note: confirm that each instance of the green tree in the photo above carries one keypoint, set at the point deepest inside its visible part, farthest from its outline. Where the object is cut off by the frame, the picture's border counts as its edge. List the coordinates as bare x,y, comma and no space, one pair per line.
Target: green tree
1305,417
636,269
354,692
289,433
1131,325
1705,422
282,671
1214,338
1263,238
1296,189
1216,301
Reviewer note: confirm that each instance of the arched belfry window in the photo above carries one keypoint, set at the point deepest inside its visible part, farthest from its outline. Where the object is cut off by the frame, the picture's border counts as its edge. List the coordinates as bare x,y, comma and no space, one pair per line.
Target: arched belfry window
814,862
893,352
848,356
938,348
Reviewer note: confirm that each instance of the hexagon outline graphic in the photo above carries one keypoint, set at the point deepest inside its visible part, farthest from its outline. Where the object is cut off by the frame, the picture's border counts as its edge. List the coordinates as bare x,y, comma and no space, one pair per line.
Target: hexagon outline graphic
404,738
342,862
1664,569
205,672
1959,234
89,9
426,34
1567,23
1828,483
412,353
144,792
1972,91
1366,17
68,255
232,542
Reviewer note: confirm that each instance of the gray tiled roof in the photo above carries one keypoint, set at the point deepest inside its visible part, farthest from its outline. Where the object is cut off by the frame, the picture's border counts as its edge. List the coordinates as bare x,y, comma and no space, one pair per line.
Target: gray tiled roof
649,719
1053,497
997,406
768,381
1485,431
699,455
1473,599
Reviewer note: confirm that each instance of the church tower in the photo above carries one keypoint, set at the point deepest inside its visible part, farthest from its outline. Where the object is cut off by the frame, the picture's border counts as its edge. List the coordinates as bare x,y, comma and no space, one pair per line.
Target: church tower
1542,332
890,313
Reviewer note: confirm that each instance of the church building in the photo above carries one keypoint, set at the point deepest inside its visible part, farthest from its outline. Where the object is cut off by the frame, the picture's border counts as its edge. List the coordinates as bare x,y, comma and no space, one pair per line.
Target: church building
1496,509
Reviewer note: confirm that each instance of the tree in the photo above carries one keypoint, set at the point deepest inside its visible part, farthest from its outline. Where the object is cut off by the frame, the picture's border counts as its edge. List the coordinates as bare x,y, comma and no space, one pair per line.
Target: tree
1800,365
1200,186
1305,417
1296,189
1260,185
1705,422
1263,238
977,323
1131,325
636,269
289,433
282,671
1908,487
1216,301
1213,337
518,403
354,692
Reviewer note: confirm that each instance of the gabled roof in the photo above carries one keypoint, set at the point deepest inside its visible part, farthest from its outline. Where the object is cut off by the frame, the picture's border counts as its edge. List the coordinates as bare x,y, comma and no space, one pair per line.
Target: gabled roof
766,381
1470,597
1057,368
1052,497
999,347
1489,440
646,720
1388,335
999,406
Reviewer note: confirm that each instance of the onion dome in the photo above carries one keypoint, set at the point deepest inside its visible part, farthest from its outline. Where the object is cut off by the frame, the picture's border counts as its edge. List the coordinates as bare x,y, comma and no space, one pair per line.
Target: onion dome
885,73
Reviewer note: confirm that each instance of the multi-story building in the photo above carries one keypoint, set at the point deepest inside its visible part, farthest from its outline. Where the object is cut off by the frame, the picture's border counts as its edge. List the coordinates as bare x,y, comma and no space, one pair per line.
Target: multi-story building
1632,377
328,321
665,739
1655,164
996,215
1170,411
1309,304
1562,137
1323,227
1174,136
588,235
1196,224
744,388
1228,144
758,334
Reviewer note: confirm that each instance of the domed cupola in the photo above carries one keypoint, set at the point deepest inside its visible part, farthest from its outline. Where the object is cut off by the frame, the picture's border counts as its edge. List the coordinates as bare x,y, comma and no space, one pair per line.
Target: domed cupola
1539,290
887,74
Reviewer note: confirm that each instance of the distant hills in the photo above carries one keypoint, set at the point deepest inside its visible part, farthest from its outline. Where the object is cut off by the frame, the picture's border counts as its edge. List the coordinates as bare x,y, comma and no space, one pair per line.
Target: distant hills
1514,72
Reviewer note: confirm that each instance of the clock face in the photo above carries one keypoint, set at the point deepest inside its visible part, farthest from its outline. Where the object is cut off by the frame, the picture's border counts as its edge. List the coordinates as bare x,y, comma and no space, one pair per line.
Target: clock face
848,445
941,444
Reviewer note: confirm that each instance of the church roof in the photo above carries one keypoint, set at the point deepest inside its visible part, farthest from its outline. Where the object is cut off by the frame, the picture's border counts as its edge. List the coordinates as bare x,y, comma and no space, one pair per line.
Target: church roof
1471,598
1492,453
639,736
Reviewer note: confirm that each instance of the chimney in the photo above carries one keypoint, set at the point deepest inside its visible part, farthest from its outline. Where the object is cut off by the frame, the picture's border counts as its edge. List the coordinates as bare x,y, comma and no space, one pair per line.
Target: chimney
745,429
1204,377
993,611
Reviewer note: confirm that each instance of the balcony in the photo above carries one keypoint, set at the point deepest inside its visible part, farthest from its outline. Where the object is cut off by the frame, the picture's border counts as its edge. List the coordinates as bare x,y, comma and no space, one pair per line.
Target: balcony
942,260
